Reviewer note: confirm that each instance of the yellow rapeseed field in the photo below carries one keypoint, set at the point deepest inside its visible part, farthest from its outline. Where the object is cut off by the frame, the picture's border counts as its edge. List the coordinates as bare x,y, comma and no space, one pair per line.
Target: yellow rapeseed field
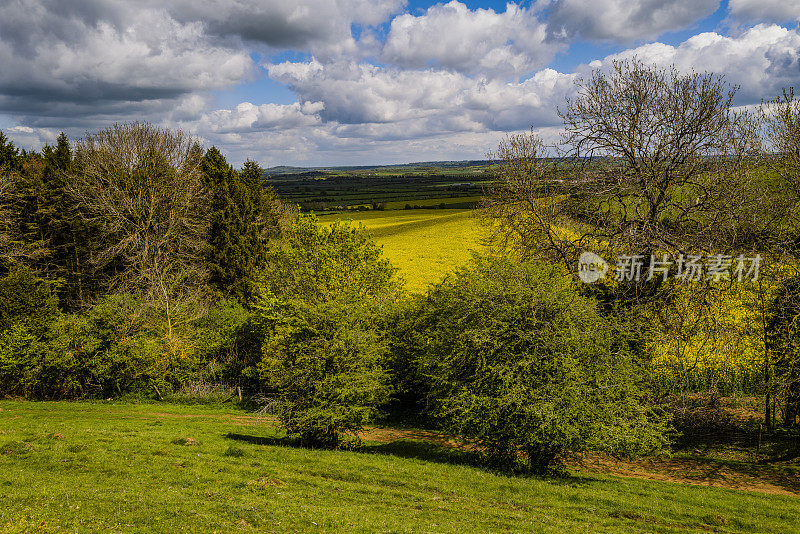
425,245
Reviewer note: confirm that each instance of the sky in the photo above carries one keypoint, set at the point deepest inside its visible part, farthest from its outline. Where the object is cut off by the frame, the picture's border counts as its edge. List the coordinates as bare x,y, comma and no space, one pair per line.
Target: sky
359,82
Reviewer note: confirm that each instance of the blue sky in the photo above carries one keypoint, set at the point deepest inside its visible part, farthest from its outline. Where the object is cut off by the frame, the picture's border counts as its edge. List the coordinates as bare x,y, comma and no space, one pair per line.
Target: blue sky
325,82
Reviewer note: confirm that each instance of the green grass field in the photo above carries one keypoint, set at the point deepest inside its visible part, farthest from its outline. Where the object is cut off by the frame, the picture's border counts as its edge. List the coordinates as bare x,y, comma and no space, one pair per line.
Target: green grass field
103,466
425,245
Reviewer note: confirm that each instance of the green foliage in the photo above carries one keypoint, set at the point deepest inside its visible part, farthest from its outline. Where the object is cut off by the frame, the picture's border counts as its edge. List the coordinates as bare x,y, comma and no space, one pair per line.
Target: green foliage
229,342
325,362
239,229
119,346
321,296
17,354
100,352
783,342
27,301
318,264
518,362
9,154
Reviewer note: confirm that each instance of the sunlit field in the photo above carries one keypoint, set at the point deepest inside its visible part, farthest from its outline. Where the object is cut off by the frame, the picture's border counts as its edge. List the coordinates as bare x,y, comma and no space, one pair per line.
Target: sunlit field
425,245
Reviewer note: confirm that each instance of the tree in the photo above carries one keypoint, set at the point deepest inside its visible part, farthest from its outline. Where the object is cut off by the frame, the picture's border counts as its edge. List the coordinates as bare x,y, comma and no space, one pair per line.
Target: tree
319,302
656,162
783,342
9,154
662,159
234,248
26,301
781,118
325,362
244,218
139,190
521,365
322,263
272,216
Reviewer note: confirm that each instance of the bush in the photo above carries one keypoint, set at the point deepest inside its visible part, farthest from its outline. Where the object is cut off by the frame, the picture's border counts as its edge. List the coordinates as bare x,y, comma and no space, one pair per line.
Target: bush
27,301
520,364
102,352
17,361
229,345
28,308
318,263
323,352
324,361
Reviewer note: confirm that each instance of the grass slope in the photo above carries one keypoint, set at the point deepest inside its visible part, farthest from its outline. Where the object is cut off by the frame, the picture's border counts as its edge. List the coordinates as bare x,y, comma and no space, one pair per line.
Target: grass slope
425,245
84,467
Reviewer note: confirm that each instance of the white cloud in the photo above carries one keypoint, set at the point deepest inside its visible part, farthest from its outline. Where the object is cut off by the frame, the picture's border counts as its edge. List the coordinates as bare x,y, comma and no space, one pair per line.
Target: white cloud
761,60
623,20
361,93
348,111
247,117
764,10
512,43
30,138
451,80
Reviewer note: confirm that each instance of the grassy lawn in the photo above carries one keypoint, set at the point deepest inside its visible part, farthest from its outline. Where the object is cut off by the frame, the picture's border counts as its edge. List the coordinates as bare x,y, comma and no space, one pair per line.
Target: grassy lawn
425,245
80,466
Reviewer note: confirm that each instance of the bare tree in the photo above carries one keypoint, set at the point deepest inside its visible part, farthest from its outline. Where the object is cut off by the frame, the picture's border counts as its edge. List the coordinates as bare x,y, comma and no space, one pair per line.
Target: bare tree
781,121
653,162
662,156
139,188
522,207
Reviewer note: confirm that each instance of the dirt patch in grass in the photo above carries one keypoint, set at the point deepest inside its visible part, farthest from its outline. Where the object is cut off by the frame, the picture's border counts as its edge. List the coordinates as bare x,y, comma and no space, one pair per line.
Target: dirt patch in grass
741,476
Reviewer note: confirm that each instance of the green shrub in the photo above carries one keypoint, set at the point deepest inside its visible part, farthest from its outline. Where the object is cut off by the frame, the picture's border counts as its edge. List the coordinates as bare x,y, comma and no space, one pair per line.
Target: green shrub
317,264
229,345
18,361
27,301
101,352
517,362
318,312
324,361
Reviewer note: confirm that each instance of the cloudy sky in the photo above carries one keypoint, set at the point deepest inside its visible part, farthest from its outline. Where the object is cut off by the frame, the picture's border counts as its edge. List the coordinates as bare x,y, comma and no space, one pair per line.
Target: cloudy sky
334,82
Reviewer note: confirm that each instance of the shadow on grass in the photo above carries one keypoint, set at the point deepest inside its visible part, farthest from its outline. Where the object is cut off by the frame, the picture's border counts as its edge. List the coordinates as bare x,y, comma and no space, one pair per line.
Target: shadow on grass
426,451
273,441
715,469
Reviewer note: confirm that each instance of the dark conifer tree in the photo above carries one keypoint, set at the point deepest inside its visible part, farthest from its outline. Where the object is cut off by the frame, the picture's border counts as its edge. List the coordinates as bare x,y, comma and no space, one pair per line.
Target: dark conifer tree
10,158
236,248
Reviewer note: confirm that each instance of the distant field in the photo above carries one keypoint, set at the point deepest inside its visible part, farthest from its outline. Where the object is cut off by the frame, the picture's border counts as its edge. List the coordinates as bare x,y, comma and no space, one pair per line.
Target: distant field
449,203
425,245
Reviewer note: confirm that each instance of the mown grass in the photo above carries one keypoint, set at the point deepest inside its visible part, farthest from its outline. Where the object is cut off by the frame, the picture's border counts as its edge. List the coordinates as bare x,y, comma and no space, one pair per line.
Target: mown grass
84,467
425,245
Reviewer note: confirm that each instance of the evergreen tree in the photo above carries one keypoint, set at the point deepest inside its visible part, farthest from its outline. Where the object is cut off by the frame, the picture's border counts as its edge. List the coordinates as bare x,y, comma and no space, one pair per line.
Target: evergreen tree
236,247
9,154
269,209
44,217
